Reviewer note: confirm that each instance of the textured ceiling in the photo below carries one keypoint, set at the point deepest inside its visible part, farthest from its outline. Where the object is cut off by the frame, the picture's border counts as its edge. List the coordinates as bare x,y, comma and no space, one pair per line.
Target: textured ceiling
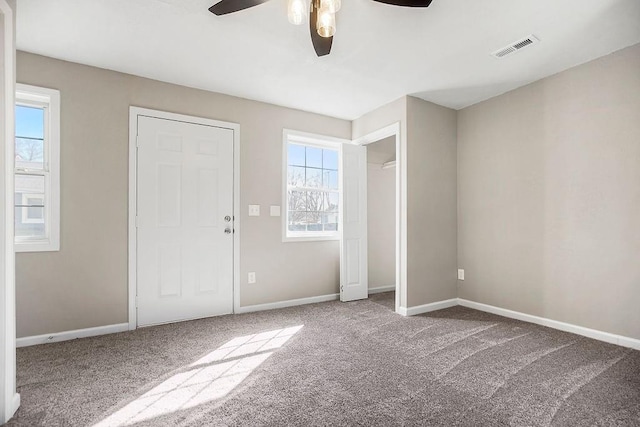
380,52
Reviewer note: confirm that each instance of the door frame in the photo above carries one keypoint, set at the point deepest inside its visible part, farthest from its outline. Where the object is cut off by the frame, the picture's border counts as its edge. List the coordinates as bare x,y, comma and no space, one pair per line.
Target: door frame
9,398
134,112
401,204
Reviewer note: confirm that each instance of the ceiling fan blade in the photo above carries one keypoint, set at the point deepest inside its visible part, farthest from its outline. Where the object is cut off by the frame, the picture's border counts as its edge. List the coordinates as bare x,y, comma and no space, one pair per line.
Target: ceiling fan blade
406,3
322,45
229,6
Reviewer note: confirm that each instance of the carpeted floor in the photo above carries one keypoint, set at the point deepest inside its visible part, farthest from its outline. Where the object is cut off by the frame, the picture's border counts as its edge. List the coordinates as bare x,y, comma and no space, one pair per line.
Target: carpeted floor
332,364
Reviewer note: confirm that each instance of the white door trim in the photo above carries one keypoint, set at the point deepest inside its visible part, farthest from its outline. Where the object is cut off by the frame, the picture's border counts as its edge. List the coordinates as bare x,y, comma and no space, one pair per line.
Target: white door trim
9,399
134,112
401,203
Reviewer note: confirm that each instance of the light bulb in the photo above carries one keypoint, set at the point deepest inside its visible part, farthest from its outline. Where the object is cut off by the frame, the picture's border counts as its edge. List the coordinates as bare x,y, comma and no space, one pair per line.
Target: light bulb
326,24
333,5
296,11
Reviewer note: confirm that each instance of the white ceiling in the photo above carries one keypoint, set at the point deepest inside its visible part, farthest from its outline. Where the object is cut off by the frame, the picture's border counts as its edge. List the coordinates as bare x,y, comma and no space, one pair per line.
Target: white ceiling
380,52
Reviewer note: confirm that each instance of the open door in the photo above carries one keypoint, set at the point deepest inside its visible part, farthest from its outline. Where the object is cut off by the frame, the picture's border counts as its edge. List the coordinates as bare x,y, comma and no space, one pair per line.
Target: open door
354,284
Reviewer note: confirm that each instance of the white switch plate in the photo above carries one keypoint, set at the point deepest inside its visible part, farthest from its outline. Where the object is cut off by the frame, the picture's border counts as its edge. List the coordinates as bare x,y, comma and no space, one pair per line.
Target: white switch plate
251,278
254,210
460,274
274,210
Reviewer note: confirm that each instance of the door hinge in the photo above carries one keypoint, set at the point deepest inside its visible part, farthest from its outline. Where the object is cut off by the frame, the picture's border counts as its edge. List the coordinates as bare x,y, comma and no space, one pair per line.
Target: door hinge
137,221
137,141
136,301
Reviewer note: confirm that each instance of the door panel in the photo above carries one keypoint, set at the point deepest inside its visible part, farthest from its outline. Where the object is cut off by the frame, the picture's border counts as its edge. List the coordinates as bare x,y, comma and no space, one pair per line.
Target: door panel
353,245
185,191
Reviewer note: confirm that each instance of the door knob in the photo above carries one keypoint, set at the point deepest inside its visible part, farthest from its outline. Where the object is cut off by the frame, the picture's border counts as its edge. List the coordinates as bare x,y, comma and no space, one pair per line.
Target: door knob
227,230
227,218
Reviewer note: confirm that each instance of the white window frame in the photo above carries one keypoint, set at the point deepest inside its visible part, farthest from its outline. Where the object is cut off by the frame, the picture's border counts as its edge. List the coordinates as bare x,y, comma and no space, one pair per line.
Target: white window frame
34,96
311,140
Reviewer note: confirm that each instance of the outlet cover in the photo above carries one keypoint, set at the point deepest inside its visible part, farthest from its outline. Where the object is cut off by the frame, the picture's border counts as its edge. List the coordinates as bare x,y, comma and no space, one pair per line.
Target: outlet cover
251,278
460,274
274,210
254,210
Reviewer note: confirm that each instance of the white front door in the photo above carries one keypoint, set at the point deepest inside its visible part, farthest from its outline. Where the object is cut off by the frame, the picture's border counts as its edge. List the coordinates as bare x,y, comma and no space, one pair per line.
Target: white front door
354,283
184,221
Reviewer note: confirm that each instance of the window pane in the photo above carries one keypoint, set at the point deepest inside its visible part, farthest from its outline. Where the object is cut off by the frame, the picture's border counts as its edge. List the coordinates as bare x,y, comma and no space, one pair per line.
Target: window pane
330,179
312,195
35,209
330,159
296,176
314,178
314,157
315,201
331,202
31,229
297,221
29,122
29,186
297,200
314,221
330,221
29,211
296,155
30,153
329,218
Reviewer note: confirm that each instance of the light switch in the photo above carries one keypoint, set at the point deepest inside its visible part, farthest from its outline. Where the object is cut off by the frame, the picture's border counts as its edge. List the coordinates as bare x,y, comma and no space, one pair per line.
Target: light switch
275,210
460,274
254,210
251,278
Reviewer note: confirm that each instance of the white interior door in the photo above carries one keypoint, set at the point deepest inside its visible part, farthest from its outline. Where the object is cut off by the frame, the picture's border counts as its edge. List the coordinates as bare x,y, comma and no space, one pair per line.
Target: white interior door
354,282
184,221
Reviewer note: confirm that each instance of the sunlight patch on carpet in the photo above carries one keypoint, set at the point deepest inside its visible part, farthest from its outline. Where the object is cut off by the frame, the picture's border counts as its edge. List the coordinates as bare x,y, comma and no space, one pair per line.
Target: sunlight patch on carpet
211,377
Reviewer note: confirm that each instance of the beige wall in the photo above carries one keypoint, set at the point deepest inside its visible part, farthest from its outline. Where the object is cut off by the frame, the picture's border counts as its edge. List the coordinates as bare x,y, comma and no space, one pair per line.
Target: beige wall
429,132
379,118
381,225
546,220
431,202
549,197
85,283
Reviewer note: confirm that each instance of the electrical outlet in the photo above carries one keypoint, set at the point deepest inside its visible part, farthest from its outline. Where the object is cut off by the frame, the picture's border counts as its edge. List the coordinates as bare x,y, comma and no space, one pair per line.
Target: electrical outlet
251,278
254,210
460,274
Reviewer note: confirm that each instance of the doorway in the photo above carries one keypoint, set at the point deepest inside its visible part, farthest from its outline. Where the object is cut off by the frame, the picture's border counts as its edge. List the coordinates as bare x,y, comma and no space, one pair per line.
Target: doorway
390,153
381,220
182,239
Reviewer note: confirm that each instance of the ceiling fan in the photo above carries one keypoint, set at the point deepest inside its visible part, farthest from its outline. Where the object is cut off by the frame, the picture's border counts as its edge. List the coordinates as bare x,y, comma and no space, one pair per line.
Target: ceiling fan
322,16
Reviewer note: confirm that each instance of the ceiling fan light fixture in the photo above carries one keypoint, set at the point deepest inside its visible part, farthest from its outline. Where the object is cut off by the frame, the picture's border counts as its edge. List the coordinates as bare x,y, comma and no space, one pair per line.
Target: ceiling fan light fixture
297,11
333,5
326,24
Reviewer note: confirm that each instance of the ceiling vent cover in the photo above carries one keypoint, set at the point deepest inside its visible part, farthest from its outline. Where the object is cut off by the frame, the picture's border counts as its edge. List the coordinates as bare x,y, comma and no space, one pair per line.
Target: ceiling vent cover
516,46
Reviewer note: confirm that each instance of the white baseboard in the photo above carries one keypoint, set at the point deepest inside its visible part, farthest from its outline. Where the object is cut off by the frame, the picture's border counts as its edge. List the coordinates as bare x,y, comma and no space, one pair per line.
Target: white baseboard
381,289
566,327
426,308
288,303
15,404
71,335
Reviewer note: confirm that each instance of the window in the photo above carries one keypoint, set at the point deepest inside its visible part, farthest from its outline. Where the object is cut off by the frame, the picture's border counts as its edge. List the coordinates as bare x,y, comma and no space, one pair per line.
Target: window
37,169
312,190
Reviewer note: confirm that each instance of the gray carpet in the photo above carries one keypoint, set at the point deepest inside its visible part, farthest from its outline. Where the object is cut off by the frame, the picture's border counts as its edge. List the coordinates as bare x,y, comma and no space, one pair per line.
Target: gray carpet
332,364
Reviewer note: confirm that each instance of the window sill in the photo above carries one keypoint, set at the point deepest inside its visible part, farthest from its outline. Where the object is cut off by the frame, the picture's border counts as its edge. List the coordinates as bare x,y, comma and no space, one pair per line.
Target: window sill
45,246
318,238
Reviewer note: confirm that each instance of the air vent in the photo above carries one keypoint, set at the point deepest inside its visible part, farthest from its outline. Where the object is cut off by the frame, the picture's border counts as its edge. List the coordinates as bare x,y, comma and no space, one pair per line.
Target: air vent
516,46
